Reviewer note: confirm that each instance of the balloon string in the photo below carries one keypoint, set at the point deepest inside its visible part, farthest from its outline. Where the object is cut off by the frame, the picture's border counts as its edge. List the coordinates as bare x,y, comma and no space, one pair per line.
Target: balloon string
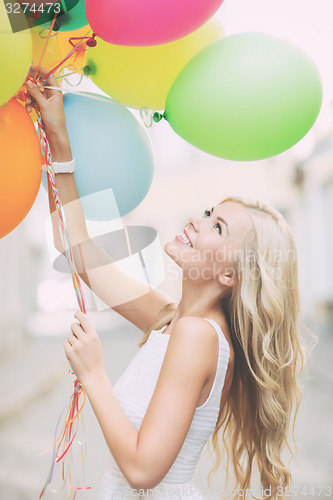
70,53
46,43
67,436
90,39
73,71
60,211
91,95
148,116
43,30
63,451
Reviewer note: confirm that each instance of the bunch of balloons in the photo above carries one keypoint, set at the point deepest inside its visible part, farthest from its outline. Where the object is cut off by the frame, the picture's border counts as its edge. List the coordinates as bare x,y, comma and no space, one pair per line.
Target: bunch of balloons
20,167
243,97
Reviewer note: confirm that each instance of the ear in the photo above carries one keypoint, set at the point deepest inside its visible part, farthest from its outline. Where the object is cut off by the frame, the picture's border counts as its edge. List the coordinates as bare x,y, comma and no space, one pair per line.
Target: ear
227,278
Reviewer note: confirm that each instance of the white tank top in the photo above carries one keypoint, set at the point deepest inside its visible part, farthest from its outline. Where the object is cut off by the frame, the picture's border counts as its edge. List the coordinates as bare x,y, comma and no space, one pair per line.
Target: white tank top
135,388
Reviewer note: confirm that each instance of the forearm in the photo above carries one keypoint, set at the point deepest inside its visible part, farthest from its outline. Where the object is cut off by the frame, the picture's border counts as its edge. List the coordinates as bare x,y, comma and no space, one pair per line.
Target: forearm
59,145
110,282
50,104
120,434
68,194
97,268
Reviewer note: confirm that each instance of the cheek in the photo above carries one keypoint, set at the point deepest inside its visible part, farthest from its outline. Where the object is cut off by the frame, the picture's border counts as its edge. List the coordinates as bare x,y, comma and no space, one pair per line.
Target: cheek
225,260
218,258
221,256
210,250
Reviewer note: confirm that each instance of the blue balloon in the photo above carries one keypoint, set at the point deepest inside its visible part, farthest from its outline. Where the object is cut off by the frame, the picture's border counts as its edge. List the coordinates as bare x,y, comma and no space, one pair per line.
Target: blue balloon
112,152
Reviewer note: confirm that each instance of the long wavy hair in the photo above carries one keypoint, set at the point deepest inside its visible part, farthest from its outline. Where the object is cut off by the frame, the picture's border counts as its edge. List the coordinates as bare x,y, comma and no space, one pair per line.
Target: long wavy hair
262,310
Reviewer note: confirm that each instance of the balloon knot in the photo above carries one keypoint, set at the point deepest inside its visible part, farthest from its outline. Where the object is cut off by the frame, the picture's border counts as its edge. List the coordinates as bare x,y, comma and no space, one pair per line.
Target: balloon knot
92,42
57,26
87,70
157,117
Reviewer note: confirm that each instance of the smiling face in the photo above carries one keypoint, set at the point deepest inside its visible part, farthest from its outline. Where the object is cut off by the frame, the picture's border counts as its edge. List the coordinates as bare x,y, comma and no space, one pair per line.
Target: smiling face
207,248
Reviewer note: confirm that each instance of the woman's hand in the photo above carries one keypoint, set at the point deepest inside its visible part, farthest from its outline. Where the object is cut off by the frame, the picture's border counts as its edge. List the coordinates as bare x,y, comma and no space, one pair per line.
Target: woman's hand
51,106
84,351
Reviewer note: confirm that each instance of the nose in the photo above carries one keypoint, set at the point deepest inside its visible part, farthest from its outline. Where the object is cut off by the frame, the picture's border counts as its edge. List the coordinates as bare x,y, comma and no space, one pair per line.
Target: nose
195,223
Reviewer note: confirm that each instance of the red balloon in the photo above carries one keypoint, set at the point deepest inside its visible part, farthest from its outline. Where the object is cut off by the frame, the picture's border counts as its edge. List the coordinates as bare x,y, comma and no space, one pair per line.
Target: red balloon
147,22
20,165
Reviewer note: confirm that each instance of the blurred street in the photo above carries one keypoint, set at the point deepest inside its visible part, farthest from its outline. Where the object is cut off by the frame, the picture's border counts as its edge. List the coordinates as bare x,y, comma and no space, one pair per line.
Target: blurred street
28,430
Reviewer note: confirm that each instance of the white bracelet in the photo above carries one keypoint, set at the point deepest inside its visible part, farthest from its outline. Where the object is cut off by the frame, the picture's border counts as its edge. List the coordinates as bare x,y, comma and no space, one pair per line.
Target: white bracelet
67,167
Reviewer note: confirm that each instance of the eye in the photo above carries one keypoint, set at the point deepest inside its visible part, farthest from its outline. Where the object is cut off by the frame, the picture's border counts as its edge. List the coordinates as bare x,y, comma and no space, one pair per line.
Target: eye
208,213
218,227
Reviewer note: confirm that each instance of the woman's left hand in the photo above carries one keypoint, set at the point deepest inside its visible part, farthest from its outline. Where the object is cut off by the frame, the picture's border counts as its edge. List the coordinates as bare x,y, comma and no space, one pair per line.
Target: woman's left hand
84,351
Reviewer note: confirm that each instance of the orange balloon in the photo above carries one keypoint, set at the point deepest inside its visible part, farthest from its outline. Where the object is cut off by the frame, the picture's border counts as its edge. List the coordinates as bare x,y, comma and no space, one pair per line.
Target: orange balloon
58,47
20,165
32,114
77,59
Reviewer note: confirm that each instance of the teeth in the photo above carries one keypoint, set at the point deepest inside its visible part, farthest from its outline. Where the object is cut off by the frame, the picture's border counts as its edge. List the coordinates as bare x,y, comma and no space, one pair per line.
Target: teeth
187,241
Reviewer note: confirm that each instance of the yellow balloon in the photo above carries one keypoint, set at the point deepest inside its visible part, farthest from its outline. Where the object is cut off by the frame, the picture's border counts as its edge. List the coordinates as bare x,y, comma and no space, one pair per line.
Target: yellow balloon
57,47
51,54
142,76
15,56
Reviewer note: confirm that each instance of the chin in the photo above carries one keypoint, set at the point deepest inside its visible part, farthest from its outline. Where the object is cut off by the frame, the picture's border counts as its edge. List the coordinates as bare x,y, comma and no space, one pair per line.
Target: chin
170,249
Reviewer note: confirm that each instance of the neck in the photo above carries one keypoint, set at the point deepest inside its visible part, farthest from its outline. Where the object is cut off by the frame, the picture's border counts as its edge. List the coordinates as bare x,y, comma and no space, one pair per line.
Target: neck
199,299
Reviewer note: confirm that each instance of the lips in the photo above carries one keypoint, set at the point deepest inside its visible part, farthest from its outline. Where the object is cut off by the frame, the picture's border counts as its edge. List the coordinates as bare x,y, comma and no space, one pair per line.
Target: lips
184,238
186,234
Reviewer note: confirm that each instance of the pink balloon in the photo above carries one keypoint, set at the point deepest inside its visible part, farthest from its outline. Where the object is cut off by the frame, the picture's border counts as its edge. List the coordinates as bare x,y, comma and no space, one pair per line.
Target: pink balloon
147,22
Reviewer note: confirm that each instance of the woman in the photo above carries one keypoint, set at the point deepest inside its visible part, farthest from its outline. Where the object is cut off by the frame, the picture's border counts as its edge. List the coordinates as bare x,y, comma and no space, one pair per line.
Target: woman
224,361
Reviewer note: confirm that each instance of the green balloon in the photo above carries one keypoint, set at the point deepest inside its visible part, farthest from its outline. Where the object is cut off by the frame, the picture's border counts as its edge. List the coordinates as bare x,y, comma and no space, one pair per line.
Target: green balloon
71,17
245,97
75,18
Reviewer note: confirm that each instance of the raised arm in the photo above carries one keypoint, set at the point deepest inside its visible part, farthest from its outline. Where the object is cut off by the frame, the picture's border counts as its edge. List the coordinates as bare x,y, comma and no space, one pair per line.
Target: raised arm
130,297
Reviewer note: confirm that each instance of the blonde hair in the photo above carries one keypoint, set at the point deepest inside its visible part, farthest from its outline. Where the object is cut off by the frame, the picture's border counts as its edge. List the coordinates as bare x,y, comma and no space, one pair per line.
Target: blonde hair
163,319
263,313
262,310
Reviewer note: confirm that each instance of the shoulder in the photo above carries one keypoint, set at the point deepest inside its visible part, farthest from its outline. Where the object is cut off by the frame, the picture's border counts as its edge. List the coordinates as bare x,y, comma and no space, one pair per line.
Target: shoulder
195,327
196,338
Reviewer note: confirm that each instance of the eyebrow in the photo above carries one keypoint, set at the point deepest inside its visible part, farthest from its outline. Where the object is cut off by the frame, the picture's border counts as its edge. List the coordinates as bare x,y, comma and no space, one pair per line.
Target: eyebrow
221,219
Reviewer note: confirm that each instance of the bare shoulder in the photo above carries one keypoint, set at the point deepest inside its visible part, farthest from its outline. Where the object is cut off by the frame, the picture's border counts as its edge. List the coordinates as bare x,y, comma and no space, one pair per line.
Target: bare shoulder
201,337
194,344
193,325
195,336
